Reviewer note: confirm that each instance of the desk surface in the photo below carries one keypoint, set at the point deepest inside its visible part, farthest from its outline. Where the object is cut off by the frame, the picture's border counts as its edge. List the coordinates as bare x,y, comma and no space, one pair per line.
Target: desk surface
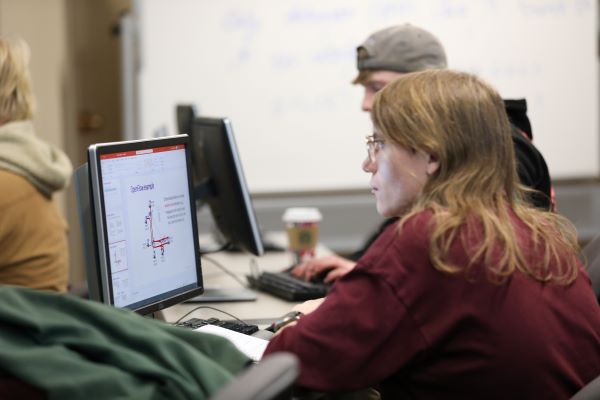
265,307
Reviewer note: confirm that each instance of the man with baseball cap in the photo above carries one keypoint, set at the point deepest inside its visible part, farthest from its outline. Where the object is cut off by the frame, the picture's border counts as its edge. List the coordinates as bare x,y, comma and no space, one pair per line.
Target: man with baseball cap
391,52
383,57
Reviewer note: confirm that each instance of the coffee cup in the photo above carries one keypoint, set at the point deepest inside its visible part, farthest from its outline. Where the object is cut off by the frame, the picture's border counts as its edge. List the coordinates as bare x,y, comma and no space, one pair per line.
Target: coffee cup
302,227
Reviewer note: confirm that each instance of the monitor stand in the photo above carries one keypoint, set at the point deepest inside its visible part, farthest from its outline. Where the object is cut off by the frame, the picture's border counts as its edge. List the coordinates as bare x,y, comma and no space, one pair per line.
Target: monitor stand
216,295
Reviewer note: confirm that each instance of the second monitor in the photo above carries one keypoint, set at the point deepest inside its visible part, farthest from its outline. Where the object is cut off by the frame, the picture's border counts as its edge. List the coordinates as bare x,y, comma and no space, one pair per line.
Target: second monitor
220,182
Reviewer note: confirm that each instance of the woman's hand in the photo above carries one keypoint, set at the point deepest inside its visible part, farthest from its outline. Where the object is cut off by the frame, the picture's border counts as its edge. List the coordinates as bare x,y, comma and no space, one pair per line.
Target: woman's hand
308,306
332,266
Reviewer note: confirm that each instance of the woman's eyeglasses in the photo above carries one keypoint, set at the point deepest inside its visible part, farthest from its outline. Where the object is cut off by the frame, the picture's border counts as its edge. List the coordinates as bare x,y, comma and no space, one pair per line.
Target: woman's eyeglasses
374,145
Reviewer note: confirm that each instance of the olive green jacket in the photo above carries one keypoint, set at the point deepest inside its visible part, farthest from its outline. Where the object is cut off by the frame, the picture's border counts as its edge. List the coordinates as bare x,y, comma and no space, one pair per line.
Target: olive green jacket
72,348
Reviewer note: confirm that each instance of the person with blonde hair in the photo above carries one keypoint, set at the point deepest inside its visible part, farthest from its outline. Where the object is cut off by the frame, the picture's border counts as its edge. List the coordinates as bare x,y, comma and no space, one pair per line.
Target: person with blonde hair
32,231
474,292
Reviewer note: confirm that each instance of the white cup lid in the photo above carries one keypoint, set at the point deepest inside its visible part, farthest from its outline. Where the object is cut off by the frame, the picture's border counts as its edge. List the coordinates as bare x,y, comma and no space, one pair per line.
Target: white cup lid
302,214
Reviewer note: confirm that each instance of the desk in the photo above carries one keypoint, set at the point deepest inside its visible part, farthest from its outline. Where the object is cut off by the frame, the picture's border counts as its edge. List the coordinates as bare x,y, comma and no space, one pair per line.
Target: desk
266,306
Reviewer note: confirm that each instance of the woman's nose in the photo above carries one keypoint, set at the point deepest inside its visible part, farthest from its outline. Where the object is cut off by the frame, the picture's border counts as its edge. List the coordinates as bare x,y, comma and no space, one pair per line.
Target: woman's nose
367,165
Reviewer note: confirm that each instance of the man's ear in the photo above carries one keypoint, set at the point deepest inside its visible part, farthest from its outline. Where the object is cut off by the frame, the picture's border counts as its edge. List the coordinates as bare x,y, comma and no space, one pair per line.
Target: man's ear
433,164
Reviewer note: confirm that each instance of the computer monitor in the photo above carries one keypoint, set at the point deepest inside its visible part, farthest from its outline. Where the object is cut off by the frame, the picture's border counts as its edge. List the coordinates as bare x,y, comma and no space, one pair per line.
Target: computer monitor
185,114
219,180
138,222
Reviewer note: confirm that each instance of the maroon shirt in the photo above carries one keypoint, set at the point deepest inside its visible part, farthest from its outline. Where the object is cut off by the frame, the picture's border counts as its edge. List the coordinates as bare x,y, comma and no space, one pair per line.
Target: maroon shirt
397,323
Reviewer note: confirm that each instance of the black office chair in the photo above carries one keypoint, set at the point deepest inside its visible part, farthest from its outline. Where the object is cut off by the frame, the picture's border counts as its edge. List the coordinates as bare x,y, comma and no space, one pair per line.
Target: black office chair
591,391
271,379
591,259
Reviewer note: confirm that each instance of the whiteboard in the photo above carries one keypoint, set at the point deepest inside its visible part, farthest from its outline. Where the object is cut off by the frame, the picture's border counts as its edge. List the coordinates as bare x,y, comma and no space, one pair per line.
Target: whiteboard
282,71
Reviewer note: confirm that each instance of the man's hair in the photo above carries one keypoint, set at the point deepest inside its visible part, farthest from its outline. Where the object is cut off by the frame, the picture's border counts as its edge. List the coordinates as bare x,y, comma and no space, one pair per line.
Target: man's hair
400,48
16,96
461,120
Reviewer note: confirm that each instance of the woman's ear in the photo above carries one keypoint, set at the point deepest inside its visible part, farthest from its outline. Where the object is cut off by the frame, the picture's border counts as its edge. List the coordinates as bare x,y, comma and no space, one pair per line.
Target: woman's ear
433,164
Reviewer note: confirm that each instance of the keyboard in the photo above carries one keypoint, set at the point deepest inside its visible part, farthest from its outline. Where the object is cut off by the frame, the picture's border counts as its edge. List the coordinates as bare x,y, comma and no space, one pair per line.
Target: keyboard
237,326
288,287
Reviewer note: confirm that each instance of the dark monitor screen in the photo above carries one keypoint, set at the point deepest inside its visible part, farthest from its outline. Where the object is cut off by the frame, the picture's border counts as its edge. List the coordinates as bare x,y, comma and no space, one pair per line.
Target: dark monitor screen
143,231
221,183
185,115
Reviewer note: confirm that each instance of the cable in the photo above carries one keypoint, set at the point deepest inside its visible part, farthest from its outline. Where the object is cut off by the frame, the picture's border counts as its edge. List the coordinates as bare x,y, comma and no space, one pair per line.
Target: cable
217,250
228,272
212,308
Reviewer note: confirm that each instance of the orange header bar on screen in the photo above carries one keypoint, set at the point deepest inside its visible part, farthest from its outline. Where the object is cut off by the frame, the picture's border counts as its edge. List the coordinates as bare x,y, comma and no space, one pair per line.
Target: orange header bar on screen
141,152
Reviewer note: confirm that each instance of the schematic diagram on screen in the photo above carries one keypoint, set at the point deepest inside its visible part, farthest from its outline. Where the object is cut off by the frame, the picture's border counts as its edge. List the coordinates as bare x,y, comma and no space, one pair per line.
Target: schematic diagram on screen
156,240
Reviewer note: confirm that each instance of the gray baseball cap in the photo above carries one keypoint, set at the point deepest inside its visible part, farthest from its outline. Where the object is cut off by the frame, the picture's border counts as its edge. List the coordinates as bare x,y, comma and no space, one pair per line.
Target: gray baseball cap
401,48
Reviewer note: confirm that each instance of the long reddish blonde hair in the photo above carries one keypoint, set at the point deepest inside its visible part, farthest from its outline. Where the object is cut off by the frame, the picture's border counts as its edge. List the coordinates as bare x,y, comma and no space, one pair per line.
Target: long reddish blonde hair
462,121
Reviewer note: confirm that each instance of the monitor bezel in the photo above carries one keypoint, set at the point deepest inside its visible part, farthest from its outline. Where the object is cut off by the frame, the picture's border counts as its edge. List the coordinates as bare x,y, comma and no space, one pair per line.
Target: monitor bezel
207,153
95,151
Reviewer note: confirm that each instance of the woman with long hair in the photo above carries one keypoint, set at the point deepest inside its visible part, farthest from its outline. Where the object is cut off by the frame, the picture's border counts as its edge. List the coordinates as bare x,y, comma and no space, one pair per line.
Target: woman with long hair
473,293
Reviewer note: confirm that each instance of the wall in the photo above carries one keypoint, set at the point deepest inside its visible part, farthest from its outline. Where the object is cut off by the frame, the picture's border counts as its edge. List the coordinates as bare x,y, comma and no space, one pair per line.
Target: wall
281,70
93,102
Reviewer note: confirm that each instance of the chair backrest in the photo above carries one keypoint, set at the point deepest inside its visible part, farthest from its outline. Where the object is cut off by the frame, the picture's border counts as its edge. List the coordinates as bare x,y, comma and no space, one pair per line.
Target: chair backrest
591,391
591,255
271,379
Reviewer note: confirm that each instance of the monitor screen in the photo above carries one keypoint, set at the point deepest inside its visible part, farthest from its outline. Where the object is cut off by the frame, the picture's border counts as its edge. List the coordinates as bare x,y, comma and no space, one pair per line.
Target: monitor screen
220,182
143,223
